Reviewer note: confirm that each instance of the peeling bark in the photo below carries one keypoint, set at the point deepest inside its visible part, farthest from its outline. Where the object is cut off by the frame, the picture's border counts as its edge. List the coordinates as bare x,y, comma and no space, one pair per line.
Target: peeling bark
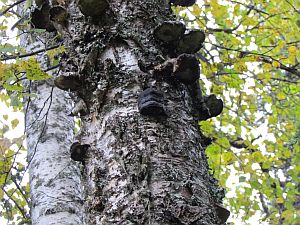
138,169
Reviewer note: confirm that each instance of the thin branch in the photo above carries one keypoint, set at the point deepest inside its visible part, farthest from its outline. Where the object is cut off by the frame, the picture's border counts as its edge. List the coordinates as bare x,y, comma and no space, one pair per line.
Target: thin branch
296,10
252,7
31,53
16,203
285,80
52,67
21,191
263,58
11,6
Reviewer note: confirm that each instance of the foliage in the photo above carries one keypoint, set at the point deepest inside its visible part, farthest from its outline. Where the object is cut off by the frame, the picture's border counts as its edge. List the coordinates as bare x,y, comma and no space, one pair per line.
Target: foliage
251,60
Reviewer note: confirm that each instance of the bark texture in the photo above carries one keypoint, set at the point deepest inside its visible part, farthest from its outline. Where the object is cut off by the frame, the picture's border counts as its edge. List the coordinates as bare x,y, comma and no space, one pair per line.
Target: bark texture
55,186
138,169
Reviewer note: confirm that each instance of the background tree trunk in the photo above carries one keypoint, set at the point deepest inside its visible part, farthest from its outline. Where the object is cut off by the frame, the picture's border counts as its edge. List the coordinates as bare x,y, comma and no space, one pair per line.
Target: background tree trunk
138,169
55,185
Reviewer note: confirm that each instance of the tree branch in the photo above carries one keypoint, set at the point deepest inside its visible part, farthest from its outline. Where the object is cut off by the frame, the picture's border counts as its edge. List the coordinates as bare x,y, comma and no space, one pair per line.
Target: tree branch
11,6
31,53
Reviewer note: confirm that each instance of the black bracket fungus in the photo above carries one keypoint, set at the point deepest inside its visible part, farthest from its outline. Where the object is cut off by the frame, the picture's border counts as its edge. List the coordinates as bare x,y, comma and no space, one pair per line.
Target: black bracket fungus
186,69
93,8
212,107
183,2
191,42
68,83
78,151
164,70
222,213
151,103
169,31
59,14
40,18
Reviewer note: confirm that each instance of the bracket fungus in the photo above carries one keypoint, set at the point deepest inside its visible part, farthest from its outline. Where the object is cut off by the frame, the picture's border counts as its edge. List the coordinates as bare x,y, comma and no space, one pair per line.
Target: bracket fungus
191,42
58,14
186,69
92,8
183,2
78,151
169,31
151,103
40,18
67,83
213,105
222,213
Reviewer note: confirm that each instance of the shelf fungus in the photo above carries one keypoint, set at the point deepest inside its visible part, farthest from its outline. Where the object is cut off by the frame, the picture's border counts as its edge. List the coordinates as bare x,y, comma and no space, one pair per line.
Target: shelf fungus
222,213
212,107
78,151
183,2
58,14
67,83
191,42
80,109
185,68
169,31
93,8
151,103
40,18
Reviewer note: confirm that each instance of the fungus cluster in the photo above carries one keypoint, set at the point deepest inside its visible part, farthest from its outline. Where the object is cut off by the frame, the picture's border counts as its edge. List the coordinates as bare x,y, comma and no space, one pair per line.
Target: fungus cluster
43,16
177,39
185,67
40,18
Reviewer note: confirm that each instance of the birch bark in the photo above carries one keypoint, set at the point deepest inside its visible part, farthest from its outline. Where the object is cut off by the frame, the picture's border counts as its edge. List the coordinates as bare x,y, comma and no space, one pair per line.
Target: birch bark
55,185
138,169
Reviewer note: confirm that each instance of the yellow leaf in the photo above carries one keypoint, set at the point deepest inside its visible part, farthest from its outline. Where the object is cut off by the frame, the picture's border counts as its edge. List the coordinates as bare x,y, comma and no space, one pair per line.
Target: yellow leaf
280,200
14,123
289,127
281,96
196,10
292,50
276,64
267,66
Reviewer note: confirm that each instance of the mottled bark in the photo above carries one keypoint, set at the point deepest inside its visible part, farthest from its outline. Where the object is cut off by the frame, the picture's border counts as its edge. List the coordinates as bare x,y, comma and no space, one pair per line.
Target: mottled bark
138,169
55,186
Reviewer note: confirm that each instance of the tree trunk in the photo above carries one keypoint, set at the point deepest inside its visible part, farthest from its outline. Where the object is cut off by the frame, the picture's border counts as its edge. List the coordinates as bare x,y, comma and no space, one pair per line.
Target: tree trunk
55,184
139,141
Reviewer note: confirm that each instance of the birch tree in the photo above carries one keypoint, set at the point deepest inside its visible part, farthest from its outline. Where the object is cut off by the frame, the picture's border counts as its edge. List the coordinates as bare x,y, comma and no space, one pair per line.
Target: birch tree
132,67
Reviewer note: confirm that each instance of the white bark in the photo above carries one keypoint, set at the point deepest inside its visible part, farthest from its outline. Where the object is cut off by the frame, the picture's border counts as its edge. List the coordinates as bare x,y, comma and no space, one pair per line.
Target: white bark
55,184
